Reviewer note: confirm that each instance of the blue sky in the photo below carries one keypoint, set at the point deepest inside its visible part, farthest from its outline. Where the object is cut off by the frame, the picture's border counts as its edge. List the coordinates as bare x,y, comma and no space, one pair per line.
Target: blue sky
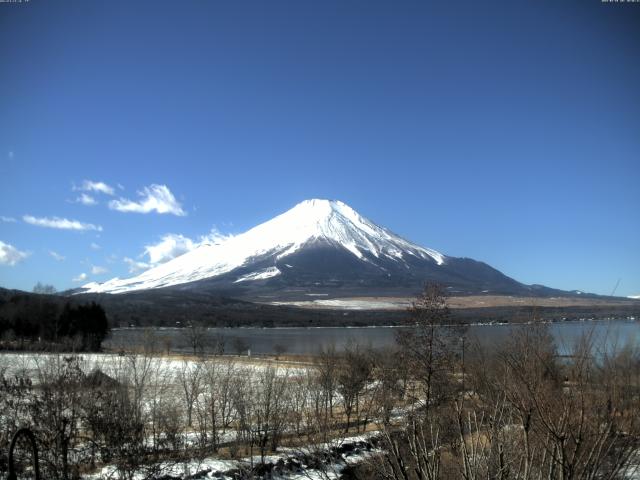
504,131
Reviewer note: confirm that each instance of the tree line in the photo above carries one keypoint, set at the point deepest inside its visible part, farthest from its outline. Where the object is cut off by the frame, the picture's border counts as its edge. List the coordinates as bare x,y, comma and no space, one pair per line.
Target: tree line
47,322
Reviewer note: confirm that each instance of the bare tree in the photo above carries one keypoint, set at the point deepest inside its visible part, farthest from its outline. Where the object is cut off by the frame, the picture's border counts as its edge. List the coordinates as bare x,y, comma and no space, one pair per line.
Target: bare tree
56,412
431,345
299,398
190,378
270,408
353,374
118,430
388,373
327,366
196,336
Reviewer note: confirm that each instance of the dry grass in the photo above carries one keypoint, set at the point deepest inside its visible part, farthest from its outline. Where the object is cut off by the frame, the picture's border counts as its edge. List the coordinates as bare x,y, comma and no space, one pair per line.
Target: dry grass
462,302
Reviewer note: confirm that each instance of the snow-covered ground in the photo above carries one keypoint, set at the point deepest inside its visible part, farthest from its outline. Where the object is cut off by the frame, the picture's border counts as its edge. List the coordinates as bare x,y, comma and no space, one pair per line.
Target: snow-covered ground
288,463
633,471
34,365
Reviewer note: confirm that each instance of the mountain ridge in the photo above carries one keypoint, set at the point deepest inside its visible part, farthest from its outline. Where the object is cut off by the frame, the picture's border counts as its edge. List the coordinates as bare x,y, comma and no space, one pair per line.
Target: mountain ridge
319,247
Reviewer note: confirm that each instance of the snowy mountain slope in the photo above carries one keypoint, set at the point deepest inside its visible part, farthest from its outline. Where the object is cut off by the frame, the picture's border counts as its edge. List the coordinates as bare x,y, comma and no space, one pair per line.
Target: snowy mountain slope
309,223
318,247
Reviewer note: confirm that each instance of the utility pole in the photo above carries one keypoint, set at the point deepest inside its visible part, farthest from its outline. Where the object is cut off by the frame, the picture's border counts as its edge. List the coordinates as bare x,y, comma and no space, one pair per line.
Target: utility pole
615,288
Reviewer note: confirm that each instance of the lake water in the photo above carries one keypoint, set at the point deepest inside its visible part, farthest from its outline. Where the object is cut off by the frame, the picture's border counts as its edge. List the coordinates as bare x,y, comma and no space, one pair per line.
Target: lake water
609,334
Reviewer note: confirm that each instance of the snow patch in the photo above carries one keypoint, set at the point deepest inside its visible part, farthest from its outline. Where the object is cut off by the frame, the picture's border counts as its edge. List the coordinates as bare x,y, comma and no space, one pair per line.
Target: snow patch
351,303
259,275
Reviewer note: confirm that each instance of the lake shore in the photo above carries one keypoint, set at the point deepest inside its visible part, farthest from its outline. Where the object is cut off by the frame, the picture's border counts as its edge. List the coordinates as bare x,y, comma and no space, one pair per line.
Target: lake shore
309,340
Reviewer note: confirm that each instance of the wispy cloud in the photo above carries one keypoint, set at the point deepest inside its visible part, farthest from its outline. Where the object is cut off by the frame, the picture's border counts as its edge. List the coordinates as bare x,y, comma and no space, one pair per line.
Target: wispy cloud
214,236
135,266
56,256
97,187
10,255
80,278
86,199
60,223
154,198
96,270
7,219
95,246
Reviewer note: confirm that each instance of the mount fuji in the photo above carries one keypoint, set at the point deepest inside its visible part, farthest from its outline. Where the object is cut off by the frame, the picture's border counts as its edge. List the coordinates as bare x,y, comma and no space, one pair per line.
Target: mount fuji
319,247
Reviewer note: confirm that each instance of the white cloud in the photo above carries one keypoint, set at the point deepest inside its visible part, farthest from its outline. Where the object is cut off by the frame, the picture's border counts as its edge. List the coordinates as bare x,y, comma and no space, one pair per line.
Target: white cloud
11,154
85,199
154,198
215,236
170,246
56,256
80,278
98,187
7,219
10,255
96,270
61,223
134,266
94,246
173,245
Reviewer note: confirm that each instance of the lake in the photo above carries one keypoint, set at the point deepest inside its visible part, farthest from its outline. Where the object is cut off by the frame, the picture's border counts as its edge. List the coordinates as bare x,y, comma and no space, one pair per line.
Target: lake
609,333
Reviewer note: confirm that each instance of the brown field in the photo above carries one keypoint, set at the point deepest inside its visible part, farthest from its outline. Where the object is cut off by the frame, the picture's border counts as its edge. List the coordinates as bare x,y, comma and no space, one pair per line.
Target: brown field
474,301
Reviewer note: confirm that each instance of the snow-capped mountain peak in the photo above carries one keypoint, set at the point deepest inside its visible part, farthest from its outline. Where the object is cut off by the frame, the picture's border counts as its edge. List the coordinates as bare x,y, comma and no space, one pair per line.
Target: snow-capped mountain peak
333,220
311,222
